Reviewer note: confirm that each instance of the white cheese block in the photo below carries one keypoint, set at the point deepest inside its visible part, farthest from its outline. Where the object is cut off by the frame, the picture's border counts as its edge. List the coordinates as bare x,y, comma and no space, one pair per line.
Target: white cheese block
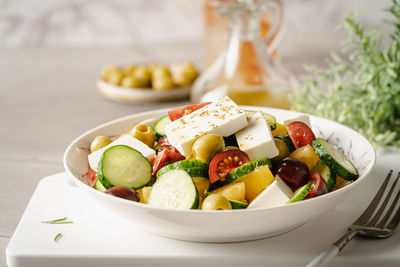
127,140
303,118
256,139
276,194
223,118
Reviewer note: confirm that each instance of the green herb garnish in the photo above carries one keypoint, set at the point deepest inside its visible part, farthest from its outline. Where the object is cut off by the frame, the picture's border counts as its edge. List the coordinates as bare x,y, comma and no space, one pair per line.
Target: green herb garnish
58,236
58,221
362,91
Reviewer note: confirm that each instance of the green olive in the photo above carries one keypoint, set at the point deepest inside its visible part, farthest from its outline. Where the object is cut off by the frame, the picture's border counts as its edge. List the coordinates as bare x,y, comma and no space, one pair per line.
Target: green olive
207,146
99,142
142,75
162,82
115,77
128,69
130,82
184,74
160,70
106,72
216,202
144,133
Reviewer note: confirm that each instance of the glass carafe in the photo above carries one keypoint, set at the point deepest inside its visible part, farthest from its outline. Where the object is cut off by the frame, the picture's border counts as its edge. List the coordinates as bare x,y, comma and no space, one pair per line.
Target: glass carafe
246,71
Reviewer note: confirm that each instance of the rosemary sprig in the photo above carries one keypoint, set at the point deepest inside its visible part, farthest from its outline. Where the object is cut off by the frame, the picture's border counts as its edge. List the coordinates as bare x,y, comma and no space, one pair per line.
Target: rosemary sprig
363,90
58,221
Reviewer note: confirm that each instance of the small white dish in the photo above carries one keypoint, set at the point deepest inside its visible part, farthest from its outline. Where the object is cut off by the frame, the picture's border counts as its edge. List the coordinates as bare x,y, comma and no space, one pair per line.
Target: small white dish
229,225
140,95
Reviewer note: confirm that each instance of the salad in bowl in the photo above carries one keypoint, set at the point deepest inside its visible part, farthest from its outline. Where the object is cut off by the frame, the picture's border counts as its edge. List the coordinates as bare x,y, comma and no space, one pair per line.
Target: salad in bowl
192,172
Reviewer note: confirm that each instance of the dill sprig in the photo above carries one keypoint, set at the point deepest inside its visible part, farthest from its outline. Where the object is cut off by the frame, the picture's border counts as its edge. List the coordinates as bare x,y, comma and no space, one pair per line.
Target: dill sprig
363,90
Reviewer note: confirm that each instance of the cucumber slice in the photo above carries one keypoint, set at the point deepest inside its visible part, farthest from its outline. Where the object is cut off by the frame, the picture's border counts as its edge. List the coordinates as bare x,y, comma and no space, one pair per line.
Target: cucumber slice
335,159
193,172
246,169
123,166
238,204
288,142
174,189
159,126
271,120
201,167
326,173
99,186
282,148
300,193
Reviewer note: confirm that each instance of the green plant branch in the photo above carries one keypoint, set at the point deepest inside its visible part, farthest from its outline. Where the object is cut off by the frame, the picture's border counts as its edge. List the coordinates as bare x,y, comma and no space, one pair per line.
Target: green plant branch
363,90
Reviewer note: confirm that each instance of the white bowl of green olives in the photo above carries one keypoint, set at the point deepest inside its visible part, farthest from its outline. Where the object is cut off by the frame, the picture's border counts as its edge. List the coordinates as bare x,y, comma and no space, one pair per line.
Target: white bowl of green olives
147,82
220,225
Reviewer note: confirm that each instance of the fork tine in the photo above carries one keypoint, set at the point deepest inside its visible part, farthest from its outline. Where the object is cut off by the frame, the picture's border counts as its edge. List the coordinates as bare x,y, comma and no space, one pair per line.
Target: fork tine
389,212
391,209
384,203
371,208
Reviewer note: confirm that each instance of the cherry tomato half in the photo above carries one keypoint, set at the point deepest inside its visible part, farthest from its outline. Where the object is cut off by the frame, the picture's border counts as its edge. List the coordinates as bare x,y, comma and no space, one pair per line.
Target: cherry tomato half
224,162
179,112
92,177
165,157
300,134
318,185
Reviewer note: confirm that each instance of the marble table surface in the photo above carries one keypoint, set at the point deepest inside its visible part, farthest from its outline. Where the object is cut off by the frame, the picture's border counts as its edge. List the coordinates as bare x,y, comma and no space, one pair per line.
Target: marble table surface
48,97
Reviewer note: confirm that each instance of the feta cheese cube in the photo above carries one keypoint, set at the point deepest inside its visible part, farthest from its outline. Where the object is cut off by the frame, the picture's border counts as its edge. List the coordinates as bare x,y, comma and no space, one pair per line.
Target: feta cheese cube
127,140
302,118
256,139
276,194
223,118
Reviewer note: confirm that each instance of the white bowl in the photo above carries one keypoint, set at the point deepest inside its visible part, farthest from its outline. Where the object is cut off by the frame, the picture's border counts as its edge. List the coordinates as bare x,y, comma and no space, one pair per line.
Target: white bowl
221,226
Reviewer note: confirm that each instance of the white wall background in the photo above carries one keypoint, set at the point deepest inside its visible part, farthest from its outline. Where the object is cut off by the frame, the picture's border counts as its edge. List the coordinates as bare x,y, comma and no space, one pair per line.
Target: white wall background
110,22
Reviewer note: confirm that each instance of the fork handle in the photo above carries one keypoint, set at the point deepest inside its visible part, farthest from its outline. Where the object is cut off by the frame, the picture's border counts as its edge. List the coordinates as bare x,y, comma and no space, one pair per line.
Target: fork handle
323,258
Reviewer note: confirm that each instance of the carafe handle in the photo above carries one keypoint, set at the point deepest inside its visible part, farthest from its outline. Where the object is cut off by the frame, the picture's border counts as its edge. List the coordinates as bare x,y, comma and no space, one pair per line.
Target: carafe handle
275,32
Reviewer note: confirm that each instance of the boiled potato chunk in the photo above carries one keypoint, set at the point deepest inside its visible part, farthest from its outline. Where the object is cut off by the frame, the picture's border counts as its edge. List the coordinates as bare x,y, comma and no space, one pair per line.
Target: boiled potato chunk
256,181
235,191
307,155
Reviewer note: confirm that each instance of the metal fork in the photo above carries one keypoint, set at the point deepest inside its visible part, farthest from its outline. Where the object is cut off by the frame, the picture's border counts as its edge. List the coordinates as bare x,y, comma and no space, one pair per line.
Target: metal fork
367,225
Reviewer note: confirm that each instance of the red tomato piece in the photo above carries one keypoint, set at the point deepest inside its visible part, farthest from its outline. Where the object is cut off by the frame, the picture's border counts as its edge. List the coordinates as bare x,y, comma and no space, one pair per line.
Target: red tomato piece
179,112
164,144
224,162
300,134
92,177
165,157
318,185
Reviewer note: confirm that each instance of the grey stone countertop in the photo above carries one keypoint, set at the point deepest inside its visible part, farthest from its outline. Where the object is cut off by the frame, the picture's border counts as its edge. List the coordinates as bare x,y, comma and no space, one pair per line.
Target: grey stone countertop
48,97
